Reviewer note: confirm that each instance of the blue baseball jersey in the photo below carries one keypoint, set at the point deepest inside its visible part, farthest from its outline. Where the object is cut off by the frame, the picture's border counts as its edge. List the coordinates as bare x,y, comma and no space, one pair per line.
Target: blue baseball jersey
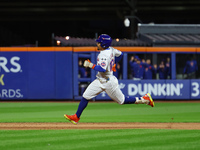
162,73
137,70
149,71
191,66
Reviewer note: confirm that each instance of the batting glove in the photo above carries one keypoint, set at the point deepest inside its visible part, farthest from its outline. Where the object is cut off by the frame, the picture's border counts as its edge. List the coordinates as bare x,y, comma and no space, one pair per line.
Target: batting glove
87,63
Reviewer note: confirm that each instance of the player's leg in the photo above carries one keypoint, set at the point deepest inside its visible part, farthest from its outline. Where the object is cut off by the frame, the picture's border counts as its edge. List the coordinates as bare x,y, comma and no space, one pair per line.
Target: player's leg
116,94
113,91
119,97
92,90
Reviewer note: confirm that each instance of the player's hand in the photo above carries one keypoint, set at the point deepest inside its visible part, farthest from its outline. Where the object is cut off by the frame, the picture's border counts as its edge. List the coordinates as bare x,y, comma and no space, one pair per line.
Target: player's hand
114,68
87,63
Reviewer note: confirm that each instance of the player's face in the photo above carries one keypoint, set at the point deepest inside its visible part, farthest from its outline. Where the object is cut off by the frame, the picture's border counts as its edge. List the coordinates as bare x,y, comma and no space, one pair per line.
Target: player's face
99,46
148,61
138,61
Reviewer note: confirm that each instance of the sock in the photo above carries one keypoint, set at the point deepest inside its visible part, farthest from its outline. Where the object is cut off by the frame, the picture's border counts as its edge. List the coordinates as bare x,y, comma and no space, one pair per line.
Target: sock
141,100
129,100
82,105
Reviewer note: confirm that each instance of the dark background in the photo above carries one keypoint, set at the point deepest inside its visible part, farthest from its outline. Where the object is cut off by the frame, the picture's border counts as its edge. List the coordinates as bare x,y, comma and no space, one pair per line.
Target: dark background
24,22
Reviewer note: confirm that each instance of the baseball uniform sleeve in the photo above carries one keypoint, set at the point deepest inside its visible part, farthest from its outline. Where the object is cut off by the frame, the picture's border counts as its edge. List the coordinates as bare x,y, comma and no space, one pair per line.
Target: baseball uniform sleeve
99,68
117,53
117,59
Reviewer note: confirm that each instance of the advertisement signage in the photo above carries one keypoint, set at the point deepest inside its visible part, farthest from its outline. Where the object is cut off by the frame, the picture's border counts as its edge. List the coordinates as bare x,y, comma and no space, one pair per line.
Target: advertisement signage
195,89
36,75
13,75
159,89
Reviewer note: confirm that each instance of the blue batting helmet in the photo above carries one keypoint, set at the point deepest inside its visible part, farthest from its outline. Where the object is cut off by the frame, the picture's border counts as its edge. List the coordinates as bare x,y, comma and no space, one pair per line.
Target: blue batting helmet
105,40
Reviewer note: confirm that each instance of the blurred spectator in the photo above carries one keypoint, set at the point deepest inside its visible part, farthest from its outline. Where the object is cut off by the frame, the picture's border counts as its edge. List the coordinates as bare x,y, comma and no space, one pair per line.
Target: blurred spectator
82,74
168,68
137,69
149,69
143,61
162,70
133,59
118,72
82,70
190,69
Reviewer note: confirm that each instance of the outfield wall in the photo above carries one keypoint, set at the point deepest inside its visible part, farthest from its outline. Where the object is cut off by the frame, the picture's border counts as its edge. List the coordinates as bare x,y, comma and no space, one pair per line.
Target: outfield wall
52,73
159,89
36,73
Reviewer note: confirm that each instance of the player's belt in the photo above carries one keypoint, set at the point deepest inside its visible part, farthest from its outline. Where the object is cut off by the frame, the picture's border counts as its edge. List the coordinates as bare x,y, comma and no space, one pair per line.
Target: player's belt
103,81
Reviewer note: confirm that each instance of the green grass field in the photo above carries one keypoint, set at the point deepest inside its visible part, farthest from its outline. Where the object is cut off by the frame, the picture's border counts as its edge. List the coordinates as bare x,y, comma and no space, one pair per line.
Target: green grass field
151,139
100,112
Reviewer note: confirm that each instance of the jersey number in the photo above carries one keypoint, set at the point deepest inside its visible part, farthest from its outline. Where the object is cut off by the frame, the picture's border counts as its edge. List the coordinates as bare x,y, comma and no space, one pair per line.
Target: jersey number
111,64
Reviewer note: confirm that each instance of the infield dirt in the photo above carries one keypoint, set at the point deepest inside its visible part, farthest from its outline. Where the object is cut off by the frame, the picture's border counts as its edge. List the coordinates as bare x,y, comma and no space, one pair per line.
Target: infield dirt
59,126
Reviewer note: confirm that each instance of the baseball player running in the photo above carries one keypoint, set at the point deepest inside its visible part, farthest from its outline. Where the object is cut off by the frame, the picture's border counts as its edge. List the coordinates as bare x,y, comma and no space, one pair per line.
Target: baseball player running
105,80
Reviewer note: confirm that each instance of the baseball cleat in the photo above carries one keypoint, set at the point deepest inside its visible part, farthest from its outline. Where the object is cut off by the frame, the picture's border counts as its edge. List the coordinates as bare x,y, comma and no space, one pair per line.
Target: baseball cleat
149,98
72,118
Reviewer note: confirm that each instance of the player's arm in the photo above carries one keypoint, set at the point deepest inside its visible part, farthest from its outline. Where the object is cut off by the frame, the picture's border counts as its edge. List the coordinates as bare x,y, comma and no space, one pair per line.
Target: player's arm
88,63
118,58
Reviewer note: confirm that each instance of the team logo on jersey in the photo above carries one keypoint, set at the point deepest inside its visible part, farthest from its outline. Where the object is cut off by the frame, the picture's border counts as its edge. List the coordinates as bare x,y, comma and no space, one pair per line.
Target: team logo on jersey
103,64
